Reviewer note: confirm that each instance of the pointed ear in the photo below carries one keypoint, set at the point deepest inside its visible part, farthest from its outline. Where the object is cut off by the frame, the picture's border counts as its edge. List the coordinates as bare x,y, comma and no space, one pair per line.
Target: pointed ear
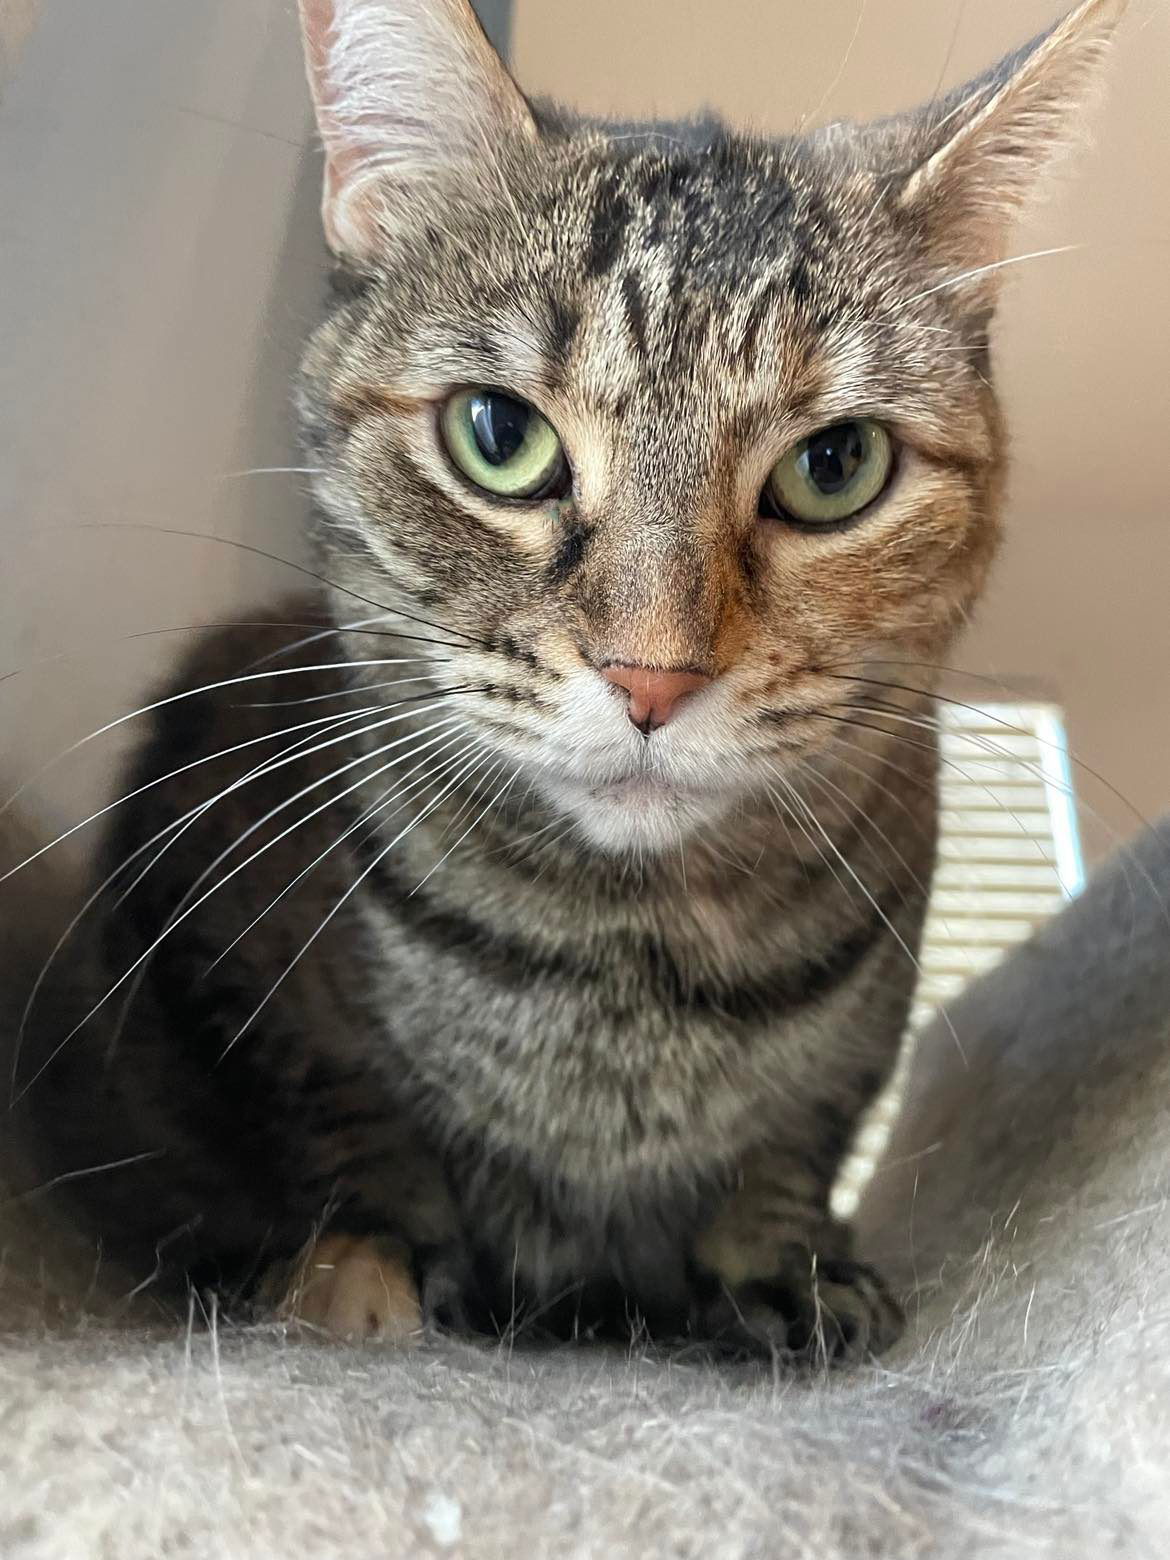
401,89
982,152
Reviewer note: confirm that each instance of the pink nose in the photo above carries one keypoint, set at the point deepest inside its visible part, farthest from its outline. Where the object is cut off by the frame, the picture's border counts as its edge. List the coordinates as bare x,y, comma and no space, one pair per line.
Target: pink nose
654,696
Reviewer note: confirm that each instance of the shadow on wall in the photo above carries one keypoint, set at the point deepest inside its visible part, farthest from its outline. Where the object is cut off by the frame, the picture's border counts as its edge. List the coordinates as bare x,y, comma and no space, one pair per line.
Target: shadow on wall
162,262
17,20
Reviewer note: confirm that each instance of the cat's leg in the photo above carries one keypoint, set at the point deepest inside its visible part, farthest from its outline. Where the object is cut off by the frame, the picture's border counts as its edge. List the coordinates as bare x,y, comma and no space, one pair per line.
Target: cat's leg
774,1270
371,1284
355,1287
388,1255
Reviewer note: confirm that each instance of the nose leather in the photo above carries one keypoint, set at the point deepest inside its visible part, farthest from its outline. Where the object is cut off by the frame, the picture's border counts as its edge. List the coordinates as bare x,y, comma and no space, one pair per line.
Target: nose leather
654,696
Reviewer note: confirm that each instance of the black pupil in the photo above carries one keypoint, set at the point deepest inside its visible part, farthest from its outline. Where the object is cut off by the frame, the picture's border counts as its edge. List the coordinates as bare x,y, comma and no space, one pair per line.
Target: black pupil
500,425
834,456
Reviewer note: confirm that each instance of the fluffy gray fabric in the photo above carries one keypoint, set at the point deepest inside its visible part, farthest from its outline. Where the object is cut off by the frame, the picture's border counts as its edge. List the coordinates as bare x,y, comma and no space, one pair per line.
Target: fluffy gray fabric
1024,1203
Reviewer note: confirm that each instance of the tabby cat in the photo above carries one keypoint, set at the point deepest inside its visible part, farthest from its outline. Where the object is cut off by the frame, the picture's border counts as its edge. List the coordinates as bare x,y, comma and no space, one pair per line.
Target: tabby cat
516,929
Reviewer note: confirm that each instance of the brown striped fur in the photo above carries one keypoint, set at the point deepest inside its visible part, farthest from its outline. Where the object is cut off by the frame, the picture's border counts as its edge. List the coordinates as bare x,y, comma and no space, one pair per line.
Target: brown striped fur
590,1039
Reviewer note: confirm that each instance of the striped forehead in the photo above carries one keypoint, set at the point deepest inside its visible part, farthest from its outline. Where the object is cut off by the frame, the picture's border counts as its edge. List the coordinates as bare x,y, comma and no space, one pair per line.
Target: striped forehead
688,283
703,378
640,329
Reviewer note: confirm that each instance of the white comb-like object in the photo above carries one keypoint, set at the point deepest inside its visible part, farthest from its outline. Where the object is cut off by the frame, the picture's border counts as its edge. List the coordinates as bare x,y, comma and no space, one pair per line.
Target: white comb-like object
1009,857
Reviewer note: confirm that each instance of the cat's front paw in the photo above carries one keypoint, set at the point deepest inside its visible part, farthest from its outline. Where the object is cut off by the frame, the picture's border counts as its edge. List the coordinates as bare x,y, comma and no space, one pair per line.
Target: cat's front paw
356,1288
831,1310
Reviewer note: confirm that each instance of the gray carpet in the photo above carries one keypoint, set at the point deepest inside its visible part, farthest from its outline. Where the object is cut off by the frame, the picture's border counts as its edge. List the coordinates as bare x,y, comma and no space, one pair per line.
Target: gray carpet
1024,1205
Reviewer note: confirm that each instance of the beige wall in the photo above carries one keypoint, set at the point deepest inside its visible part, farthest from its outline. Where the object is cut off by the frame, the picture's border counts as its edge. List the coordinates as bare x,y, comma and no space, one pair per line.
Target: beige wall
1082,598
17,19
159,262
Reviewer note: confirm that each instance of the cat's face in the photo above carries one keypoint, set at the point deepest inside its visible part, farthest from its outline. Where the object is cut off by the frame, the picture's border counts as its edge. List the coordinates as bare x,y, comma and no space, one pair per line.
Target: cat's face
567,416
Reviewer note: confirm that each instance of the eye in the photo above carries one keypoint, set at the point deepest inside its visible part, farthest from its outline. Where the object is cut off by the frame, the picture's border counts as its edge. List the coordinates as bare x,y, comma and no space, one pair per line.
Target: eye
832,475
504,445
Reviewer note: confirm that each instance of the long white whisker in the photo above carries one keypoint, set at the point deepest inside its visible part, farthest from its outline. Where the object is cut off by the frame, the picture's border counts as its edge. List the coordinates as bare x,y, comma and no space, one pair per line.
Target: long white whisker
352,889
949,763
858,747
498,797
175,827
346,693
562,833
443,727
270,471
132,993
890,927
265,770
237,624
78,1175
469,800
784,812
241,546
885,790
295,751
331,632
365,626
525,839
841,68
986,745
834,789
174,698
470,783
1058,748
215,887
208,758
394,793
979,270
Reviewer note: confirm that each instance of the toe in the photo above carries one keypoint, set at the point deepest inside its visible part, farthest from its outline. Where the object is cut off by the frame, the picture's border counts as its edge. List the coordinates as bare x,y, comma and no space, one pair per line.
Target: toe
834,1312
356,1288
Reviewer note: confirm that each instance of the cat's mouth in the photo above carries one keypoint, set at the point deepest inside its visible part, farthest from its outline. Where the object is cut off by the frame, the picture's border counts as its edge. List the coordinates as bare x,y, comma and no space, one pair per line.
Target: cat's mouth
640,810
643,787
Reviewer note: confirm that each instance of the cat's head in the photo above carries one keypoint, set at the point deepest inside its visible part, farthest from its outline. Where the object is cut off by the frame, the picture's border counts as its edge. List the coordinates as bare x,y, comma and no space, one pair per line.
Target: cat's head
669,428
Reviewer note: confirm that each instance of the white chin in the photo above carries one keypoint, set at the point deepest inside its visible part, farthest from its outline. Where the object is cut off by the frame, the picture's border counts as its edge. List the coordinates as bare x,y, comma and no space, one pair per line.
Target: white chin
635,817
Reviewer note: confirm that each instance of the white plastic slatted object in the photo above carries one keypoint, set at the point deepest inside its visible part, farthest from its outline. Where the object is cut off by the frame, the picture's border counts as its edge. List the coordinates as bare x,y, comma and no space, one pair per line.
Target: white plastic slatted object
1009,857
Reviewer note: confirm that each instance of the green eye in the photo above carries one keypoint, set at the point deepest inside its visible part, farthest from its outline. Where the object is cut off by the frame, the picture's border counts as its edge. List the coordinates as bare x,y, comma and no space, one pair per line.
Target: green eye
832,475
504,445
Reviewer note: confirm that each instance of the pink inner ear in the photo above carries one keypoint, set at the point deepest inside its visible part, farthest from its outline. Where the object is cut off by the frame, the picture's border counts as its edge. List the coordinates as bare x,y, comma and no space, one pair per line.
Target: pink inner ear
320,32
407,84
317,27
1013,122
354,143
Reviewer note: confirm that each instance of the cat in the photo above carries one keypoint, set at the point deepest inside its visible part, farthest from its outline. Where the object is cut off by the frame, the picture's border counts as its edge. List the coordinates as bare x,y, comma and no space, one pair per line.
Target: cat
516,927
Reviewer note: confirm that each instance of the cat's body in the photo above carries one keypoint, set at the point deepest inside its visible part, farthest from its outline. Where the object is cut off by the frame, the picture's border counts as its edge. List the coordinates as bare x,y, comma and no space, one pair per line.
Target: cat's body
545,1062
581,1017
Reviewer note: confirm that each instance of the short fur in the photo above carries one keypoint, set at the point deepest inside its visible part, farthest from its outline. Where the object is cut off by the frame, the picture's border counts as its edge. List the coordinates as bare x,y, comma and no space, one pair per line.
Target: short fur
581,1019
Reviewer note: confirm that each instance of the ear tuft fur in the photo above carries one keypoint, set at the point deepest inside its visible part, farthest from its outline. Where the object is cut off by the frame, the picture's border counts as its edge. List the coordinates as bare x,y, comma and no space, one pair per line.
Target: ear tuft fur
983,150
401,89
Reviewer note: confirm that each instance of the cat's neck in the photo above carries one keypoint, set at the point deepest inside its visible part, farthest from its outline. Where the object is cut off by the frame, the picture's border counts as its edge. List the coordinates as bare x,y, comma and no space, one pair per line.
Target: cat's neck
843,830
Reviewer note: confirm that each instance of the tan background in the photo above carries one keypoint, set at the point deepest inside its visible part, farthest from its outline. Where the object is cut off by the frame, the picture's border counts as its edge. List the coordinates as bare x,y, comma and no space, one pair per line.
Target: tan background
159,261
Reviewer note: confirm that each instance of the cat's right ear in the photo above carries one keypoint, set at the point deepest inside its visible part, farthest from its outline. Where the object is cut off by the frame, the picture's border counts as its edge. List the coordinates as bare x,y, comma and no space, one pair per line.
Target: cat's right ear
978,156
401,89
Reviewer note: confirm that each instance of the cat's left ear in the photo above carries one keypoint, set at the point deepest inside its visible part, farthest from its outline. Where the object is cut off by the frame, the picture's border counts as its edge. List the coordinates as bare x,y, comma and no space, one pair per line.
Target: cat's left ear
980,154
402,89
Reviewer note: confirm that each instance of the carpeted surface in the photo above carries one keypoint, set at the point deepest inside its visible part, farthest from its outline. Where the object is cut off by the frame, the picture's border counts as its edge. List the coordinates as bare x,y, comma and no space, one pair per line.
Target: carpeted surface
1025,1203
